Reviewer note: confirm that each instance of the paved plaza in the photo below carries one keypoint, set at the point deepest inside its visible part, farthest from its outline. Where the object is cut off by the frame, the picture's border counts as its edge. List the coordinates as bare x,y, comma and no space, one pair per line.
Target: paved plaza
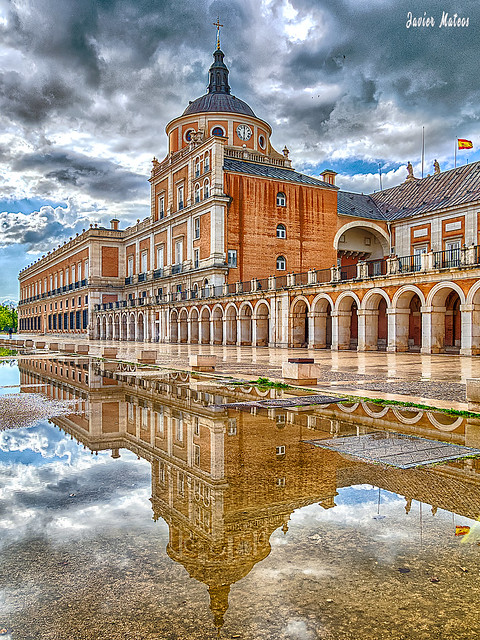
437,380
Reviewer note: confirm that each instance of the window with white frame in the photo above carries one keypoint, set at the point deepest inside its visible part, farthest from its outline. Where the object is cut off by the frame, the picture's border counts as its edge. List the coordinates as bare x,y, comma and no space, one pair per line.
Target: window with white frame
179,428
85,270
160,261
160,423
281,263
196,258
232,257
281,199
232,427
161,207
207,162
130,266
280,482
197,167
206,188
181,483
197,193
196,455
196,426
79,271
143,262
196,228
180,197
179,252
61,279
281,231
73,274
280,450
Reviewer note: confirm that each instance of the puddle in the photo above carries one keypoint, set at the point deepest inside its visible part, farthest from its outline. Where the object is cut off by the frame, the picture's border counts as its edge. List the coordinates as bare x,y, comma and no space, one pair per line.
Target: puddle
156,511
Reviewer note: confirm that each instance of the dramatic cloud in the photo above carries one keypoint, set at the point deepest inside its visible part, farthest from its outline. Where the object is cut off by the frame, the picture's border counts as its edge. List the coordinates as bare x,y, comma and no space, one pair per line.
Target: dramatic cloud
86,89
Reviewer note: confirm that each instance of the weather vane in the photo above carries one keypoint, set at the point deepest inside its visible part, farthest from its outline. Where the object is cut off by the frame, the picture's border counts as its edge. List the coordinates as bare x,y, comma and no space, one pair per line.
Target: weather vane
218,25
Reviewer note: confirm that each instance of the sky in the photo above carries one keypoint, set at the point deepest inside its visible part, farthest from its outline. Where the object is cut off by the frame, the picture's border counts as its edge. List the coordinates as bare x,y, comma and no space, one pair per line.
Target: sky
87,87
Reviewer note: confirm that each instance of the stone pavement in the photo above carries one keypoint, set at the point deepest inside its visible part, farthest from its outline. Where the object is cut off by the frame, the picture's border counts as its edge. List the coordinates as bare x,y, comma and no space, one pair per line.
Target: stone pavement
437,380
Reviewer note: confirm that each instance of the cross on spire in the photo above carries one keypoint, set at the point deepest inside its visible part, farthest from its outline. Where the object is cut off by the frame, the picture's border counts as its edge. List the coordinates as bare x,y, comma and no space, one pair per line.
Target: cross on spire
218,25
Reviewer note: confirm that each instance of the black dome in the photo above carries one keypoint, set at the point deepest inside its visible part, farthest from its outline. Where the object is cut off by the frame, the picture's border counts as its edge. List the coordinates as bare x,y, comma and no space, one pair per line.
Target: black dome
218,102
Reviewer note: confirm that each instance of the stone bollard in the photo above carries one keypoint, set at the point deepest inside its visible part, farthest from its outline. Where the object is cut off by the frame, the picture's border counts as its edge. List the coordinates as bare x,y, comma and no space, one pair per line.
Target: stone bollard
109,352
200,362
40,344
53,346
29,343
82,349
68,347
148,357
300,371
473,394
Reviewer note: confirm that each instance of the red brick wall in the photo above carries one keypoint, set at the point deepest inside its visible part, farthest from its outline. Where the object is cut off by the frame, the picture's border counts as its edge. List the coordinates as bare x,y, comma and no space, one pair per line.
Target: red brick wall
110,261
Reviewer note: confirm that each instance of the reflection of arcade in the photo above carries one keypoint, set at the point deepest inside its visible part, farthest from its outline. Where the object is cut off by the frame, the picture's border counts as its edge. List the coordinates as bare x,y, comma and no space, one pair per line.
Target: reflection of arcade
225,480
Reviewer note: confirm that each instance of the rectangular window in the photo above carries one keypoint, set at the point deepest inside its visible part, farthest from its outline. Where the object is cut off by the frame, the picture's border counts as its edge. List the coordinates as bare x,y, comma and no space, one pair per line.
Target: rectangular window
232,258
143,260
196,258
181,484
130,266
196,426
178,252
85,318
232,427
196,455
85,271
160,262
196,225
77,320
79,271
180,198
179,429
280,451
161,207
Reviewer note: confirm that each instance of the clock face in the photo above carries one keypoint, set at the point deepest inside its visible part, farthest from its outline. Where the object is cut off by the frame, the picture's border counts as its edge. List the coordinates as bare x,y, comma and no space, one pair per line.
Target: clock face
244,132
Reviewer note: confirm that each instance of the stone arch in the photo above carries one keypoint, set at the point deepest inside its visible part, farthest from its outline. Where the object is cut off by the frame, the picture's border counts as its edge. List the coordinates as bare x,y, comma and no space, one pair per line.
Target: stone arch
124,327
445,327
299,329
361,240
194,325
131,327
231,319
173,325
374,410
405,332
217,324
98,330
183,326
262,323
346,316
374,332
104,327
445,426
110,327
116,327
205,325
348,408
245,314
140,336
407,419
322,307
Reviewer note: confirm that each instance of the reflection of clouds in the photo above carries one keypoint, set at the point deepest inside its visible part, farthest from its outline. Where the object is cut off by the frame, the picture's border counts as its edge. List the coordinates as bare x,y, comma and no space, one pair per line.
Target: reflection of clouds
41,439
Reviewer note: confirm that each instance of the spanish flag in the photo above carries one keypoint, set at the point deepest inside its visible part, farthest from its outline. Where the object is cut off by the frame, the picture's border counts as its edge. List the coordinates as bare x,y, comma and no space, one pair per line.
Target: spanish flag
464,144
461,530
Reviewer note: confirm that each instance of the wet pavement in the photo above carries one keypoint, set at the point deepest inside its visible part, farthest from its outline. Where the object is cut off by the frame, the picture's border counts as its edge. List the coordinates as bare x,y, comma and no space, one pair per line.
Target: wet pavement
153,511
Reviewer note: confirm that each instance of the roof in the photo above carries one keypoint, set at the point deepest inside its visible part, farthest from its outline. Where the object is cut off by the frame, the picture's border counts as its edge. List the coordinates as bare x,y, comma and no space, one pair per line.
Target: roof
414,197
212,102
269,171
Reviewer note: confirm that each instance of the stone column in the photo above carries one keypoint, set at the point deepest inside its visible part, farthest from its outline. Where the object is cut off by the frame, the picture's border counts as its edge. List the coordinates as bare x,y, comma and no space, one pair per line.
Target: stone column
341,330
367,330
433,329
311,328
468,330
398,329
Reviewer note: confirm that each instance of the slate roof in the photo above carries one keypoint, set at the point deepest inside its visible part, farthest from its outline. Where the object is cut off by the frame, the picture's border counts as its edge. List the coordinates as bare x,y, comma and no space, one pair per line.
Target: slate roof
447,189
219,102
269,171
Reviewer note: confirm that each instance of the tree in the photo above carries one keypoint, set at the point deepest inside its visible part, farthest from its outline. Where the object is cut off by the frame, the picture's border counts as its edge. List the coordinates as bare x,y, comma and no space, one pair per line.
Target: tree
8,318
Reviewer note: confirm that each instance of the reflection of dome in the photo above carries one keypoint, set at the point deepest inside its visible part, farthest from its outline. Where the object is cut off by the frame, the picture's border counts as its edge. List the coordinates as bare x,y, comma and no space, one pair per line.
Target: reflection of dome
218,102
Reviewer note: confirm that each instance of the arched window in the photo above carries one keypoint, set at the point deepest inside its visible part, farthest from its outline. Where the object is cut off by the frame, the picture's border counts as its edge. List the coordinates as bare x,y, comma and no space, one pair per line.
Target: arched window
206,188
188,135
281,231
207,162
281,199
281,263
218,131
197,167
197,192
261,142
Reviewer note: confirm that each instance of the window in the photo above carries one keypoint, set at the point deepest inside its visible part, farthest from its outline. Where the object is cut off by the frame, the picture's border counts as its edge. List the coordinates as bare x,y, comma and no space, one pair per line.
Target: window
196,426
261,142
281,263
207,162
160,258
197,193
232,257
281,231
281,199
130,266
79,271
181,483
179,428
280,451
197,167
180,198
196,258
85,270
161,207
280,482
178,252
232,427
218,131
143,260
196,455
196,228
206,189
188,135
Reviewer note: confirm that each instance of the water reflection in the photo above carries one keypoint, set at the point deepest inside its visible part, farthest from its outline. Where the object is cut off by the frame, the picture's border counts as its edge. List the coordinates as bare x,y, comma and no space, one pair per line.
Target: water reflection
224,480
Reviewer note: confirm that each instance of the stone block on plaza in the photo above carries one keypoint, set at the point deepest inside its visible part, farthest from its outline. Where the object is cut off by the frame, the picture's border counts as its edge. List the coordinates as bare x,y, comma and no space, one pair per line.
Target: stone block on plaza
29,343
40,344
147,357
18,343
109,352
82,349
200,362
473,394
300,372
53,346
68,347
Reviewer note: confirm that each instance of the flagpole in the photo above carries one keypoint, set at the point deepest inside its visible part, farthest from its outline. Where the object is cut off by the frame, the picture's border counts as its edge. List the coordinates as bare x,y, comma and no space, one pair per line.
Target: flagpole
423,148
456,145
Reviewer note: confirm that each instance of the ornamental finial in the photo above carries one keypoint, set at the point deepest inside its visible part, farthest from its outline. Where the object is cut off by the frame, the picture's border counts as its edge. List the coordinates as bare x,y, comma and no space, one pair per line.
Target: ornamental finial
218,25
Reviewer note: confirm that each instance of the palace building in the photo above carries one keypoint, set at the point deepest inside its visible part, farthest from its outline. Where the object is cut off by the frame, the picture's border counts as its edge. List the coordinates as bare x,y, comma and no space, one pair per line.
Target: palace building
240,248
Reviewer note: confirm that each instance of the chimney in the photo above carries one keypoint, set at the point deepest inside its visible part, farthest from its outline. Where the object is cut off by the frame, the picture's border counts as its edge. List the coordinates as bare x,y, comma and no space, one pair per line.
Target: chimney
329,176
114,223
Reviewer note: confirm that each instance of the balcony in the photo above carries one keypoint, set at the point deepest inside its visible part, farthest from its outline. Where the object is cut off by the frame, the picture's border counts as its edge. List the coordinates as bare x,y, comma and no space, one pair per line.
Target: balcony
142,277
176,268
158,273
